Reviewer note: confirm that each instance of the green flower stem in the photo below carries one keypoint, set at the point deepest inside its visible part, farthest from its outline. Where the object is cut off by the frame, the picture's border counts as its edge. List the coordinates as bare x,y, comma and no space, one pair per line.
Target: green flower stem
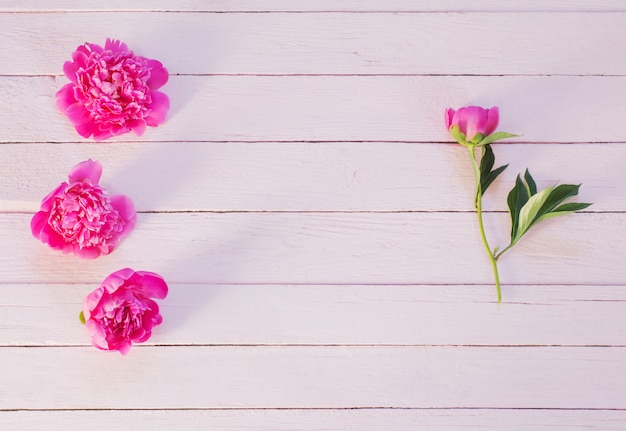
508,247
479,211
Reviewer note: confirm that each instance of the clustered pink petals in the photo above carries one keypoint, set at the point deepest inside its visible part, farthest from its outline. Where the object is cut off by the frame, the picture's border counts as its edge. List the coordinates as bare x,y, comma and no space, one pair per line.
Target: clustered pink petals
121,310
79,216
472,120
112,91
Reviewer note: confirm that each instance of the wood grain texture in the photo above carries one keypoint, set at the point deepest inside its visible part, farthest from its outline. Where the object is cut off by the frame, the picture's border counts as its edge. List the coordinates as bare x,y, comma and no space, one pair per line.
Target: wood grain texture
334,377
201,314
319,5
360,176
324,108
370,248
324,419
330,43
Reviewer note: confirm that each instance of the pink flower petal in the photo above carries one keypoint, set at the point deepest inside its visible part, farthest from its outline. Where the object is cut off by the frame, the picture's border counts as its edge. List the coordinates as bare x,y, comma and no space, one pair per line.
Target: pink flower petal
125,207
88,170
91,302
117,279
159,107
98,335
124,348
78,114
471,119
37,223
140,338
47,202
449,114
158,75
86,129
65,97
87,253
89,49
153,285
493,117
116,46
98,134
138,126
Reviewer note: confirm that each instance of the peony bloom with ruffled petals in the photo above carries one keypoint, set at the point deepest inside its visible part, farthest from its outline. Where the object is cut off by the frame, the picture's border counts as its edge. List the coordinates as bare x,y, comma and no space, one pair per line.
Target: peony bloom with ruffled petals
80,217
112,91
121,310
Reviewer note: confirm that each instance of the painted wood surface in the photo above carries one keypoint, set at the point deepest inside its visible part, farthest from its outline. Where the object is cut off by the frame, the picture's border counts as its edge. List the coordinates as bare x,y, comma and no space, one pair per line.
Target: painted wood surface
315,377
327,176
344,248
315,223
380,315
388,108
333,43
367,419
374,6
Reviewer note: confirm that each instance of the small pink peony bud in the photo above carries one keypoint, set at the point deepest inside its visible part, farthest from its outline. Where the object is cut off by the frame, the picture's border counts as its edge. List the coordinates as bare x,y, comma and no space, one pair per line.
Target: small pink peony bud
472,121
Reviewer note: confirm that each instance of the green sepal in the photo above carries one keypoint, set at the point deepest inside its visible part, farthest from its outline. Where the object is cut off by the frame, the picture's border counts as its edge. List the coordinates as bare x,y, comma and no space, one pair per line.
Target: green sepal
477,138
459,136
496,136
81,317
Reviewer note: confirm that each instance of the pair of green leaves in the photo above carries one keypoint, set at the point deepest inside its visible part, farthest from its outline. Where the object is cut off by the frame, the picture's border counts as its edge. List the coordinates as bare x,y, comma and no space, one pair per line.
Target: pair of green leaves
528,207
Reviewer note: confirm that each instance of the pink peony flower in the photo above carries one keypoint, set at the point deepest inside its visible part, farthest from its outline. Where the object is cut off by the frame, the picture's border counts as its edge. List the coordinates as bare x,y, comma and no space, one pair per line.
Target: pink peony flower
80,217
113,91
120,311
473,120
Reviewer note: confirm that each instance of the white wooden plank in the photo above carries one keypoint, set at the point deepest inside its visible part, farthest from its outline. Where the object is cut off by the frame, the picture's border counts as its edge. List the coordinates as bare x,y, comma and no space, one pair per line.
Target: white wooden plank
43,314
313,377
328,43
316,420
318,5
308,176
370,248
324,108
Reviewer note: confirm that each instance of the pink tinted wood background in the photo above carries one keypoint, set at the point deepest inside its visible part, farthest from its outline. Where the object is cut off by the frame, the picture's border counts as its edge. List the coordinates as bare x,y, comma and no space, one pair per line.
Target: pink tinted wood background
315,223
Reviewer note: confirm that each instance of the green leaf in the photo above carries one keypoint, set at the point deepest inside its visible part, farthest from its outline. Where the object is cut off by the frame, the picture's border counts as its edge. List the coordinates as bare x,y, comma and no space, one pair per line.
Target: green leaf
564,209
486,181
459,136
532,187
497,136
530,211
487,176
571,207
81,316
518,196
558,195
486,161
